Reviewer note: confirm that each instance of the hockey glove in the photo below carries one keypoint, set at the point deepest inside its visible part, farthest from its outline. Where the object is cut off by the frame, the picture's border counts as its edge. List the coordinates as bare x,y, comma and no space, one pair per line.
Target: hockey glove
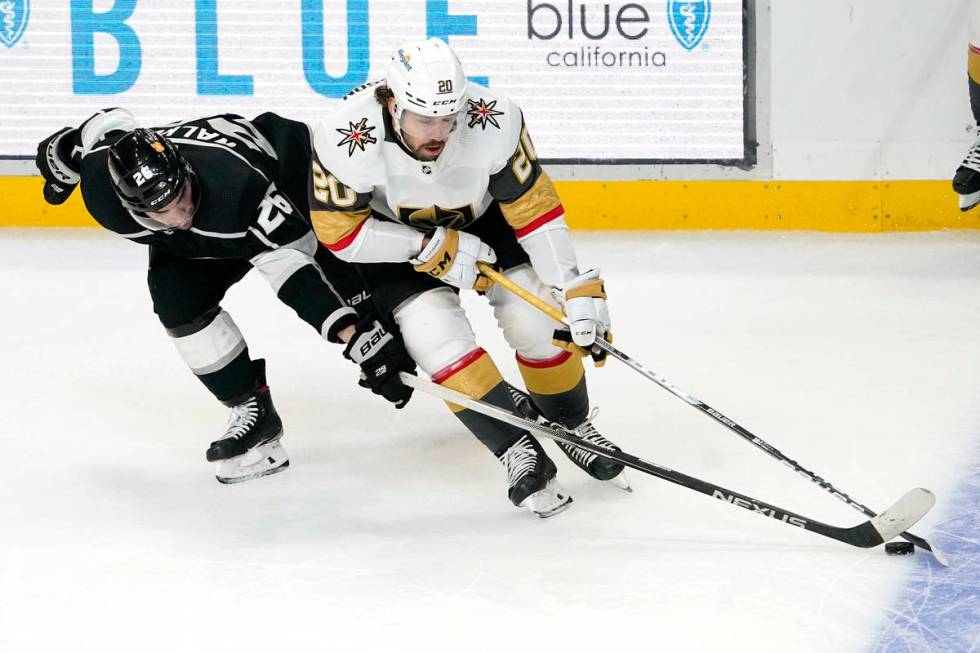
60,175
584,301
451,257
381,356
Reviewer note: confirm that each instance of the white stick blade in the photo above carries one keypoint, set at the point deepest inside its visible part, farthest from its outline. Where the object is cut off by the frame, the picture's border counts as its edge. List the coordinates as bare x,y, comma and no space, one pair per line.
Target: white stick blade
939,555
904,513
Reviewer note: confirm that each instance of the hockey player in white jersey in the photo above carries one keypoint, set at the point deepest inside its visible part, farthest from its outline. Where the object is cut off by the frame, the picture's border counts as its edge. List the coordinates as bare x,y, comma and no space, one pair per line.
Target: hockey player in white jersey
418,177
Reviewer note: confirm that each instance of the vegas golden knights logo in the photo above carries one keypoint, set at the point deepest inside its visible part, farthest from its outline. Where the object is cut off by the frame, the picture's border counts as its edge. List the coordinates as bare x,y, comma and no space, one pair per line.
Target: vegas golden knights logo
436,216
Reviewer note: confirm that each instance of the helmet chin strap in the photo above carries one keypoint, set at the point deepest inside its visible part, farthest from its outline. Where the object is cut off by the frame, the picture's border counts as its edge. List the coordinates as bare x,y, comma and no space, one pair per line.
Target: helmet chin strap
398,126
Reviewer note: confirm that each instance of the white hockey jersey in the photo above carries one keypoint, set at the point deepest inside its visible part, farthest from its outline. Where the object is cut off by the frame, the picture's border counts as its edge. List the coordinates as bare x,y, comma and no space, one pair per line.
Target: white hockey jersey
366,187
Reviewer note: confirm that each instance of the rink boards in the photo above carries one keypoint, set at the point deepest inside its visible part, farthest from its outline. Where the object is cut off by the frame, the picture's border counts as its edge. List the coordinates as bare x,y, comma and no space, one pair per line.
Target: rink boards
833,206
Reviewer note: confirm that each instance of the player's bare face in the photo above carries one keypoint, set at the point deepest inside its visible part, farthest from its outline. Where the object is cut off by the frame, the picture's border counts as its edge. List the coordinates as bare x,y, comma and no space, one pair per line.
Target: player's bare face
426,136
179,214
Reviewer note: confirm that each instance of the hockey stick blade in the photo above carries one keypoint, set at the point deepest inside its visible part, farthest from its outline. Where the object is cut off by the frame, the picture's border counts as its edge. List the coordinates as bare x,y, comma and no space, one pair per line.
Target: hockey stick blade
905,512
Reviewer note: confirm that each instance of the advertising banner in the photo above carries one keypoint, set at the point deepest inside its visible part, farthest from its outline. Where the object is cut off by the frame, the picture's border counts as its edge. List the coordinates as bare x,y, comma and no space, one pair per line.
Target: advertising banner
602,82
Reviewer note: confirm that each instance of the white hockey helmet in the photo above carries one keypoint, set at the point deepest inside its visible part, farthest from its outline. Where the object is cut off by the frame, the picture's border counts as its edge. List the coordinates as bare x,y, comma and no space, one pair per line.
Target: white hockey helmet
426,78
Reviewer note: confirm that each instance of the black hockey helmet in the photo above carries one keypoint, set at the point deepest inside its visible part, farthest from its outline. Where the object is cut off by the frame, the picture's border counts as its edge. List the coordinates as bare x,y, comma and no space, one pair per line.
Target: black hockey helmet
148,171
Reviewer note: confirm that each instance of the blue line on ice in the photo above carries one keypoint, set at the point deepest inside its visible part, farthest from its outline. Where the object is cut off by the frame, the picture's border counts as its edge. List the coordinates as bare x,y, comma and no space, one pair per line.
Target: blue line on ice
938,610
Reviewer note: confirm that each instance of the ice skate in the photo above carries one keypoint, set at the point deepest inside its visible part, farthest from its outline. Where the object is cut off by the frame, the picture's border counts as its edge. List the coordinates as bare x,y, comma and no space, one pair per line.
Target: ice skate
531,478
594,465
599,468
251,445
966,181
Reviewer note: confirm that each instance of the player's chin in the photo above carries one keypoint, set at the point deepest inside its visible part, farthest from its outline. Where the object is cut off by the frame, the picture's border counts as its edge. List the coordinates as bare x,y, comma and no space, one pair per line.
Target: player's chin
431,151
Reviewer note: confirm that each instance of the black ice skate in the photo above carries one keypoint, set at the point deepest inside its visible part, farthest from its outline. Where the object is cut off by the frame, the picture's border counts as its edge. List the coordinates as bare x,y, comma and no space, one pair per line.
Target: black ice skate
251,446
966,182
532,478
596,466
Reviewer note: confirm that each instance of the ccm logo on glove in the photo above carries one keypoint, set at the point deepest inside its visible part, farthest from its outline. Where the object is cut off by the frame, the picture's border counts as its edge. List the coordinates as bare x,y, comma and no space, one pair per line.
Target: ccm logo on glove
451,256
442,266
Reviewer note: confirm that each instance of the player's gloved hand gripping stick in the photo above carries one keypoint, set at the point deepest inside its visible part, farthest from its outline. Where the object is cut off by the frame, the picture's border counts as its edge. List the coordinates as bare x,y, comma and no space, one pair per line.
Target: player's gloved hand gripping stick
716,415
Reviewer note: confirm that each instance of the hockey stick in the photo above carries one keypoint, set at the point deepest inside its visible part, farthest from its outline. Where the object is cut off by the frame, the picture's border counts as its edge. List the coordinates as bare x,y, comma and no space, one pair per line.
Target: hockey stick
901,515
716,415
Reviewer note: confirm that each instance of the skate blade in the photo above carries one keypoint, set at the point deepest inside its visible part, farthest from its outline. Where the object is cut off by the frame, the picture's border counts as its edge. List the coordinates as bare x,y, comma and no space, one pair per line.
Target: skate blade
969,200
621,482
548,502
269,458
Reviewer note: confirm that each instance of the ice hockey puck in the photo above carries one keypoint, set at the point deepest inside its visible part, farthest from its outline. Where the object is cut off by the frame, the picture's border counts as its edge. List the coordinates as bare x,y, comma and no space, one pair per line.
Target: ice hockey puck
899,548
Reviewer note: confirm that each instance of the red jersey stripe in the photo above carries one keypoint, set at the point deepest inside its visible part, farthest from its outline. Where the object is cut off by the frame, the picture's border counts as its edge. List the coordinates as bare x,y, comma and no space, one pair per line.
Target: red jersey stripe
548,362
460,364
556,212
344,242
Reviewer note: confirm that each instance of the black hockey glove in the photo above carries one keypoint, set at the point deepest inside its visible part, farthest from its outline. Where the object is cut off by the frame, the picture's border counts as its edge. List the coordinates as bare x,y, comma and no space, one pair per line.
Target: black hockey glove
53,160
381,356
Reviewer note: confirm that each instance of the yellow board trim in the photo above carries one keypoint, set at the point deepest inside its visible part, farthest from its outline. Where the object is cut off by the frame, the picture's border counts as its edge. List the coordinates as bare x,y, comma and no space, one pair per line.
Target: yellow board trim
23,205
839,206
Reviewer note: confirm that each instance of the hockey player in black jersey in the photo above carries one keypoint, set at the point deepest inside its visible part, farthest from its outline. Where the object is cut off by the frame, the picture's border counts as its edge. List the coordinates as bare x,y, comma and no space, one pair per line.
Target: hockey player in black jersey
213,198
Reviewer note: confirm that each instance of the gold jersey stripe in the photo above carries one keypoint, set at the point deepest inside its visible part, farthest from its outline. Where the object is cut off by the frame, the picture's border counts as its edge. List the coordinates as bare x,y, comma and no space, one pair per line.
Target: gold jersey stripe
475,380
553,380
540,198
334,226
973,65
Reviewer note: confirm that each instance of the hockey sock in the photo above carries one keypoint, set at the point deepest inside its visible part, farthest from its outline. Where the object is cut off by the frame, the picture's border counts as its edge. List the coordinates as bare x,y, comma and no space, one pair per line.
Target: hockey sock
214,349
476,375
557,386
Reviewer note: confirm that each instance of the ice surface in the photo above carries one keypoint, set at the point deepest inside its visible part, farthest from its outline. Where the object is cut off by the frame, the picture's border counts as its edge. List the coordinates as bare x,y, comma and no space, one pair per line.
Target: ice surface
857,355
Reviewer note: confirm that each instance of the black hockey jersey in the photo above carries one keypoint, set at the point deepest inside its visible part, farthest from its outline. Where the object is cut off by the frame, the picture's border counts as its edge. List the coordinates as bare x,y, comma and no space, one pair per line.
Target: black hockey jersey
244,212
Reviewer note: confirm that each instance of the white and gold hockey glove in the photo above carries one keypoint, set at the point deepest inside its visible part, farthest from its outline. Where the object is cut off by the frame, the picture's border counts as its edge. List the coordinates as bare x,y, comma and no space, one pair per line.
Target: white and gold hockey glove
451,257
584,302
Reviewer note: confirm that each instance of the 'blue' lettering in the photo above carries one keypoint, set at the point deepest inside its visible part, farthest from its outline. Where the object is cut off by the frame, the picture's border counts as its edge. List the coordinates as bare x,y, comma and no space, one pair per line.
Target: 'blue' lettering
84,24
358,49
440,23
209,80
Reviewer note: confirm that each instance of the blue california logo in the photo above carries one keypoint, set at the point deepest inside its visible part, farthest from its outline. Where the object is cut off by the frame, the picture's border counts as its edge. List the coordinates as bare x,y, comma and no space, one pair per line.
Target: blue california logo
13,20
689,20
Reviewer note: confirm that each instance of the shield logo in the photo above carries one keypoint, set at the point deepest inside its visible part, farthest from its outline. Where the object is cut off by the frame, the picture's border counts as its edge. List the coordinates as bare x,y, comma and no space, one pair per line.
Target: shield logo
13,20
436,216
689,20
